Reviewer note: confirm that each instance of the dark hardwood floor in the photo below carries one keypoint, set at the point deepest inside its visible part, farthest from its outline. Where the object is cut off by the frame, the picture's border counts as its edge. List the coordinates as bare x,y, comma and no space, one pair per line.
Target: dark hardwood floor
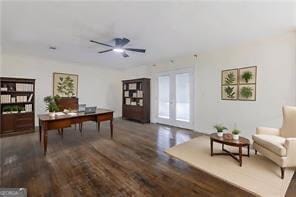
132,164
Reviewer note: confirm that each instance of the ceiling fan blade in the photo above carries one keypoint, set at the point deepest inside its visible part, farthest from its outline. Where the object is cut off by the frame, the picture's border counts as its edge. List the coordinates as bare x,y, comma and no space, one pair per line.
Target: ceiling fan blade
105,51
124,54
136,50
100,43
124,41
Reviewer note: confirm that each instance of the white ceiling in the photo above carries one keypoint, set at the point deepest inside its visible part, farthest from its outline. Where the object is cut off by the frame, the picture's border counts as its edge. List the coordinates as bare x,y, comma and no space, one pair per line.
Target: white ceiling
165,29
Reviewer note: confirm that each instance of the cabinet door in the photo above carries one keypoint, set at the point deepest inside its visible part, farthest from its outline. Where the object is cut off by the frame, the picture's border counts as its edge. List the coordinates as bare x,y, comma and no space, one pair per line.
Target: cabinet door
7,123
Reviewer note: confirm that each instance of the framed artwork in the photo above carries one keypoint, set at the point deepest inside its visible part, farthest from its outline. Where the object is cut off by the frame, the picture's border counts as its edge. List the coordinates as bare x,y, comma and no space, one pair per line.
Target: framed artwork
230,77
248,75
239,84
229,92
247,92
65,85
229,80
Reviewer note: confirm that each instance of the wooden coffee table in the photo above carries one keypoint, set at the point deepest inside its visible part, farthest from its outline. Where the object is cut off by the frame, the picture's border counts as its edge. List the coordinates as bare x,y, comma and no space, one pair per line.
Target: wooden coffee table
228,140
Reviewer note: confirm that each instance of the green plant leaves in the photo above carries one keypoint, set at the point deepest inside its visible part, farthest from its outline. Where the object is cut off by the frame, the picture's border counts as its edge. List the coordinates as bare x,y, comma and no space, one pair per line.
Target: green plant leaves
246,92
230,78
66,86
230,92
247,76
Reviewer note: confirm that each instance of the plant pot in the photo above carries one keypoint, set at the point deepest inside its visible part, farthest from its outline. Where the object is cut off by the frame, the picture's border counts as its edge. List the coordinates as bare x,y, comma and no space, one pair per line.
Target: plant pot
220,134
52,114
235,137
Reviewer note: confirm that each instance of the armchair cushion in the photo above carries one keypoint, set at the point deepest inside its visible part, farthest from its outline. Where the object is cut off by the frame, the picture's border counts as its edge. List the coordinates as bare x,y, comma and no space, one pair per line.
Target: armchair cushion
267,131
275,144
289,122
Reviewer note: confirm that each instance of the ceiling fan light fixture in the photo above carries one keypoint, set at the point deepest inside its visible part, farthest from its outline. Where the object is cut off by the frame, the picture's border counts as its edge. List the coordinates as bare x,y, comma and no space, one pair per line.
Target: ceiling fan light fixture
118,50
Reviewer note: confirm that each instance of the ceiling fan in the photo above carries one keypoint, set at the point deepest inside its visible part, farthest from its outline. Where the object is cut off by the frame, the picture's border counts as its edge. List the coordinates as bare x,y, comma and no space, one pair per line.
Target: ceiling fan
119,47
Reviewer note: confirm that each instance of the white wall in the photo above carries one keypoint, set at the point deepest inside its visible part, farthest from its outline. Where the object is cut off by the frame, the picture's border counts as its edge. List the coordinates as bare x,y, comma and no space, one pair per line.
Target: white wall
275,58
96,86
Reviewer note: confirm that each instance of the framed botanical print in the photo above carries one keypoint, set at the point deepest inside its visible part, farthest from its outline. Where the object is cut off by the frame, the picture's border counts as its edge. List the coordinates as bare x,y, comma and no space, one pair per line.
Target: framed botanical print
229,81
229,92
248,75
65,85
230,77
247,92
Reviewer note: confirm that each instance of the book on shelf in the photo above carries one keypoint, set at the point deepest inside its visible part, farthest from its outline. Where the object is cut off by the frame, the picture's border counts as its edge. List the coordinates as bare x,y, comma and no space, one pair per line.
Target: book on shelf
4,89
139,93
126,93
6,98
28,107
127,101
20,99
133,103
141,102
132,86
23,87
30,98
134,94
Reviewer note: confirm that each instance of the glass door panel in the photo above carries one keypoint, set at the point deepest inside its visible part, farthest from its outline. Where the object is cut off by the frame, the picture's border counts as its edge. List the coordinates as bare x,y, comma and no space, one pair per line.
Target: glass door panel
183,97
164,97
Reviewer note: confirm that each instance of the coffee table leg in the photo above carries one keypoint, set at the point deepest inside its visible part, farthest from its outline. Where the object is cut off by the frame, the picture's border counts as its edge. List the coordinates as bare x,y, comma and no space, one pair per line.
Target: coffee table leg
211,147
240,156
248,150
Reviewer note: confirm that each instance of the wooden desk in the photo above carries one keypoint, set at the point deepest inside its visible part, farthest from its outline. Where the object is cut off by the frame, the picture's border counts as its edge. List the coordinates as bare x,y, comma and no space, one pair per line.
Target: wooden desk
59,122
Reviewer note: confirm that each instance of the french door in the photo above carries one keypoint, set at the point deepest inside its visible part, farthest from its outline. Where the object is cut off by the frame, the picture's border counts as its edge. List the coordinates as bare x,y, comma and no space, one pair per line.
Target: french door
175,98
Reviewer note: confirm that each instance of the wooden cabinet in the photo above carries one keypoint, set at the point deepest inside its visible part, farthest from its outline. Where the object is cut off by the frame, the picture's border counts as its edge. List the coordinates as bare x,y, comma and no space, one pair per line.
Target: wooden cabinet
136,100
17,106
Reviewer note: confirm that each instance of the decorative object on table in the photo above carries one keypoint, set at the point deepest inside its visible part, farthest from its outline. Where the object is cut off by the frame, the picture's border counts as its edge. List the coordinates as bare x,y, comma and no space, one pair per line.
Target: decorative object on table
229,84
235,134
220,128
51,104
247,83
65,85
239,84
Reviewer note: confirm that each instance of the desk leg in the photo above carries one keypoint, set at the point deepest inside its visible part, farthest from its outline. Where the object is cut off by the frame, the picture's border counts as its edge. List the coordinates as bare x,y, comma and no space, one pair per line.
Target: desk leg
240,156
80,128
40,134
211,147
45,140
98,125
111,127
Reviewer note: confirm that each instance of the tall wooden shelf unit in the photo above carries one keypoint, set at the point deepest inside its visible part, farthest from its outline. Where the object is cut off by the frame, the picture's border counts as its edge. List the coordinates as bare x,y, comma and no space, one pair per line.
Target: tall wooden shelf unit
17,106
136,100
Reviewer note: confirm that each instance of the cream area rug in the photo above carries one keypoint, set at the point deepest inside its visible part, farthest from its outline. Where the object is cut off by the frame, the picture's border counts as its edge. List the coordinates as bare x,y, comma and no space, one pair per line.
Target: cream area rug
258,175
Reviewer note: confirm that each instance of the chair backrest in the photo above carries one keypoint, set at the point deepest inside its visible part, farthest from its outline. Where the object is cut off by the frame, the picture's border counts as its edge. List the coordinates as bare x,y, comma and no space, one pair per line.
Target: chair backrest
289,122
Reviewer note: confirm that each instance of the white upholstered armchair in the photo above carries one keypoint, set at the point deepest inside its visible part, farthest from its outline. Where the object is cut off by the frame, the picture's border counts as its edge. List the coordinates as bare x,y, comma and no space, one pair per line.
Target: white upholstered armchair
279,145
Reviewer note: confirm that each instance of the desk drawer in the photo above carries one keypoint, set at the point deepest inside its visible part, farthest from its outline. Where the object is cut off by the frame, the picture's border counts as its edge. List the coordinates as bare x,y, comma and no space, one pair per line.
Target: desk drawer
58,124
105,117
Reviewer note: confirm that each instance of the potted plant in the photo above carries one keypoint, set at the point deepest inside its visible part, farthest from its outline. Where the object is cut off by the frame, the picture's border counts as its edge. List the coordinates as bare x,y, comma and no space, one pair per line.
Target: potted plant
51,104
220,128
7,109
235,134
14,109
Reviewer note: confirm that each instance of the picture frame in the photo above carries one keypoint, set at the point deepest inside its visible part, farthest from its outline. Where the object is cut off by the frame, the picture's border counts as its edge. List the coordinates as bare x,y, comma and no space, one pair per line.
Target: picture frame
229,92
247,92
248,75
239,84
229,77
65,84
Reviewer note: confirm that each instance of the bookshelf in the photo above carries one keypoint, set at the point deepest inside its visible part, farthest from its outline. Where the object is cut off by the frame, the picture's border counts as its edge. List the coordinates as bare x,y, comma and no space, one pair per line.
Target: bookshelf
136,99
17,105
